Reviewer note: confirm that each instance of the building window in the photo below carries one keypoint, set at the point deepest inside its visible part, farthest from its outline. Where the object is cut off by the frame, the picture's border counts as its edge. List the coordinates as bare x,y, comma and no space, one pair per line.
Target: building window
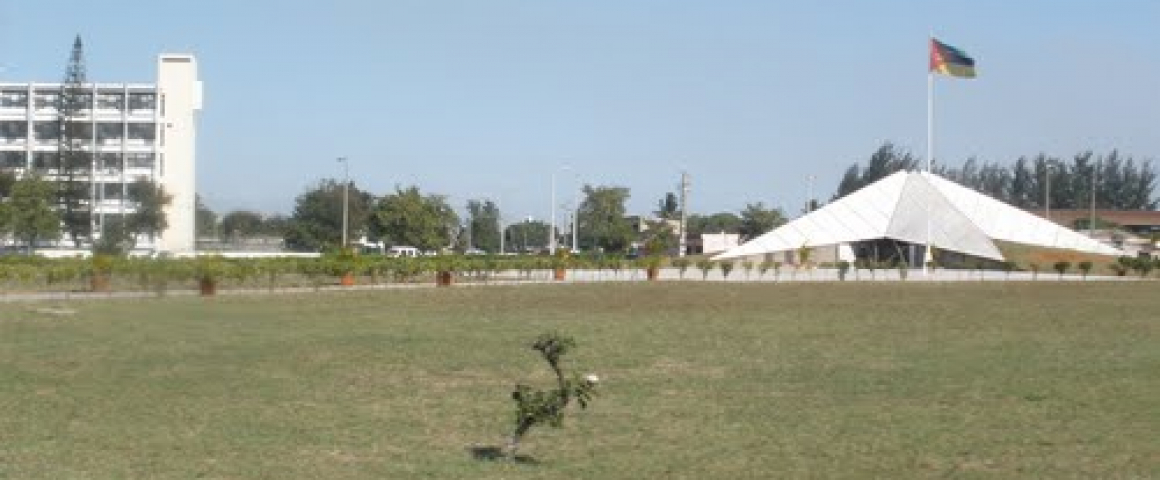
110,133
113,191
14,99
139,160
44,160
13,132
142,102
12,159
110,101
47,133
46,100
142,133
82,131
79,102
109,163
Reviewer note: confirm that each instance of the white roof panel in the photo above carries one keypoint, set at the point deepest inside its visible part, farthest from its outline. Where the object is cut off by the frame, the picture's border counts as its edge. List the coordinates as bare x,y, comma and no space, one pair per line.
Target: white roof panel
920,207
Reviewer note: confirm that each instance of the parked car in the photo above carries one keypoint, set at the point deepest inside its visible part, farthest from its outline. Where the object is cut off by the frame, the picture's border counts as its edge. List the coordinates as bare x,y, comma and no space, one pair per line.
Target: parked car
402,251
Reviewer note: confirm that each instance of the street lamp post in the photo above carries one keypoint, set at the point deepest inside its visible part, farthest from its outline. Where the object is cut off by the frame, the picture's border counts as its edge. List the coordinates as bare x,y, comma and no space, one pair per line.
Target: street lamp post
552,227
552,241
345,198
576,214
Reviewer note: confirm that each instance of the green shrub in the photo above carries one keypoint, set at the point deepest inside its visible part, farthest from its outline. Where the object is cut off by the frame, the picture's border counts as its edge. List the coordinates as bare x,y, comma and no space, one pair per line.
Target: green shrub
1085,267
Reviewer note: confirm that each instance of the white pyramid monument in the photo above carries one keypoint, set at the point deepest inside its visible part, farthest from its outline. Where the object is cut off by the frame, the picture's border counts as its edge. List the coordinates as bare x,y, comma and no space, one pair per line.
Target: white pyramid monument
918,207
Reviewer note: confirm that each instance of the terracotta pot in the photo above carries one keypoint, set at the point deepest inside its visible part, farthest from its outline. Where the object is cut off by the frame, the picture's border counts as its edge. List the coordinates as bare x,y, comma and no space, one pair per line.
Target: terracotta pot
346,280
100,282
443,279
653,273
207,287
559,274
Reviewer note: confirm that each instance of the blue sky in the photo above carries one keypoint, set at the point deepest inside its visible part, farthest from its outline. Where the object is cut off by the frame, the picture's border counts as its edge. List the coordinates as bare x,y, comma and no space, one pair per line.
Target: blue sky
486,99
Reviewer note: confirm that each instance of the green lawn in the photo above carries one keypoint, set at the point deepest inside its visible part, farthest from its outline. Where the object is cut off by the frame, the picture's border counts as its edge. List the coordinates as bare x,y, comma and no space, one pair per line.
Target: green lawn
701,381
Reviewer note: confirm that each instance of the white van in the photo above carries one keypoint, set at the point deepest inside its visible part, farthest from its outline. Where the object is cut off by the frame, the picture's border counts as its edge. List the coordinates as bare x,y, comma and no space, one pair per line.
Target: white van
403,252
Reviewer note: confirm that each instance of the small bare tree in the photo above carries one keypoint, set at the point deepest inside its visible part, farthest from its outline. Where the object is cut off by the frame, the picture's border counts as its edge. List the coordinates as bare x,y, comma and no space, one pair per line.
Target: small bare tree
534,406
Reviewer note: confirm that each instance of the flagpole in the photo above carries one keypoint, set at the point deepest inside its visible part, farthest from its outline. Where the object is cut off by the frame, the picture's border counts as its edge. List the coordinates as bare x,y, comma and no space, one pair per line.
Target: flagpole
926,256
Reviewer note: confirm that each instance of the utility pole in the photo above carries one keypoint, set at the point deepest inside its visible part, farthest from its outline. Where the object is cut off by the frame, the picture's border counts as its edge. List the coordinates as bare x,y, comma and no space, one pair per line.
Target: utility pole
345,197
684,215
575,215
1047,190
810,193
1095,183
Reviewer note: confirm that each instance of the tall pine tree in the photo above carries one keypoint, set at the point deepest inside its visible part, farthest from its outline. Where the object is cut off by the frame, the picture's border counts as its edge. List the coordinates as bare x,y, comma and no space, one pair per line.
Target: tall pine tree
73,163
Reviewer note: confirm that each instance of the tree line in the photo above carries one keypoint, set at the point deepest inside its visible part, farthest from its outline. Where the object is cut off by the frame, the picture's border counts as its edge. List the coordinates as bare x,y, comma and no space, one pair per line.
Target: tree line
408,216
1118,182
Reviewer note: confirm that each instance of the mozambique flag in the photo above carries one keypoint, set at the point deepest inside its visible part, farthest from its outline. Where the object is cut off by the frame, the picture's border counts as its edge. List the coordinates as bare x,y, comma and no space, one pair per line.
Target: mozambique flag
949,60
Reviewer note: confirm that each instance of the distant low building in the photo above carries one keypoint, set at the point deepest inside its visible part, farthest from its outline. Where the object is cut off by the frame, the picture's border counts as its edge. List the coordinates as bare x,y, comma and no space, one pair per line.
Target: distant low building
1141,222
713,243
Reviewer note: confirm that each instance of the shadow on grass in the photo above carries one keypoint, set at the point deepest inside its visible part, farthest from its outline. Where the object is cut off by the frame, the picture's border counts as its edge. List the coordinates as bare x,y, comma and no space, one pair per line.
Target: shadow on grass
492,453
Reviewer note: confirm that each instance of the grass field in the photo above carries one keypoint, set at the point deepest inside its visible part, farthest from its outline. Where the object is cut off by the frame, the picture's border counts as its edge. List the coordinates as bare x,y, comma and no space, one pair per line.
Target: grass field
701,381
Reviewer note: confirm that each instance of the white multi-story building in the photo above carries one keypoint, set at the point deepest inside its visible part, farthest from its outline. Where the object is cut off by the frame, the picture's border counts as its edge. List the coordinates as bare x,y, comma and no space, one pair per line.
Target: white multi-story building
133,131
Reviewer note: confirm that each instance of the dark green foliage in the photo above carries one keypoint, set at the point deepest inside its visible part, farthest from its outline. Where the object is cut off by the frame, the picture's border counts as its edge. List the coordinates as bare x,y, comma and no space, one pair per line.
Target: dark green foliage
483,219
116,239
668,208
73,163
1061,267
149,218
659,238
724,222
29,213
602,219
756,220
1085,267
316,224
527,235
408,217
887,160
1118,182
240,224
205,220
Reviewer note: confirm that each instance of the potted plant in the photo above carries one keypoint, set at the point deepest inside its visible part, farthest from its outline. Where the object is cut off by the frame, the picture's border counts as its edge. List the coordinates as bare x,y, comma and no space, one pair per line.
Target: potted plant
560,262
208,270
344,265
652,266
101,272
445,268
